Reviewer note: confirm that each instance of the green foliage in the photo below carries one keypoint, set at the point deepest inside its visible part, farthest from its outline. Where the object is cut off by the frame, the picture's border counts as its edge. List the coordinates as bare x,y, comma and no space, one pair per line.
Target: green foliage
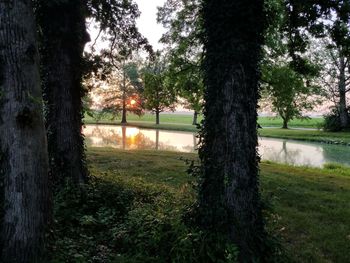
158,95
127,220
117,22
333,166
155,235
85,219
183,22
289,92
332,121
117,89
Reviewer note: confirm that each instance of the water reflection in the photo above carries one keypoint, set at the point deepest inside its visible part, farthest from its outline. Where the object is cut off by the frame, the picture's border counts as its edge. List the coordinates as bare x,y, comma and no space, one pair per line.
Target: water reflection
128,138
283,151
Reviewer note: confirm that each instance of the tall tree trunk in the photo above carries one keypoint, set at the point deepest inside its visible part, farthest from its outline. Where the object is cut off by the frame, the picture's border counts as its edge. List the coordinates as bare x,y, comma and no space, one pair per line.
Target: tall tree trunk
23,147
157,116
285,123
124,121
63,39
229,199
344,117
195,118
124,98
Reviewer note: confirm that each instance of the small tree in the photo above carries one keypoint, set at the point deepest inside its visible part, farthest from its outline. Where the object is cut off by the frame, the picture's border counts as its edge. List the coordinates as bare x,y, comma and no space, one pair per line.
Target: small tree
158,95
186,79
119,91
288,92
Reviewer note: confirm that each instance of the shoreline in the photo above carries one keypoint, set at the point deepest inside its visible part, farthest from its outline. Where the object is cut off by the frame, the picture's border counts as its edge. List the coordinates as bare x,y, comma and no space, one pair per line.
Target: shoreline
294,133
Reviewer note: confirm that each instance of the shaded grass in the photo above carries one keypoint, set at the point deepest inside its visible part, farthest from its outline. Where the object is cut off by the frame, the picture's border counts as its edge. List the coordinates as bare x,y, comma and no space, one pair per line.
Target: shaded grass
311,206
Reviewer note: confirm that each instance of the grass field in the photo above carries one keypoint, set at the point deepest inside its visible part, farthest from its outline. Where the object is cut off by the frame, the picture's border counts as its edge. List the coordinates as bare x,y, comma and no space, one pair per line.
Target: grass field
311,206
187,120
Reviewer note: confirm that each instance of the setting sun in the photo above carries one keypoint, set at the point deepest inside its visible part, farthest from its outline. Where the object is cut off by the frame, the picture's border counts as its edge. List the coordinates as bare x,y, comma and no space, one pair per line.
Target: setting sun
133,102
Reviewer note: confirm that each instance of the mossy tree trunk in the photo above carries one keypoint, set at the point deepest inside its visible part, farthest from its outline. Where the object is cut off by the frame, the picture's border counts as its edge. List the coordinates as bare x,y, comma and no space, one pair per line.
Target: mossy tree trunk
23,147
229,199
285,123
343,112
157,116
63,39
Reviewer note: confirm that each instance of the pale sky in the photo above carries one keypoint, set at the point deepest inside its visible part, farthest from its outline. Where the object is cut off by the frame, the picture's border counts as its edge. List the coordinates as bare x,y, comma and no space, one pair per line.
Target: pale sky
147,23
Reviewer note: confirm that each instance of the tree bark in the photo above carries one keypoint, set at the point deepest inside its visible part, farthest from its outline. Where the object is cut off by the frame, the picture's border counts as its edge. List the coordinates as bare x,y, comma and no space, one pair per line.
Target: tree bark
157,116
344,117
63,39
195,118
229,199
124,98
124,121
285,123
23,147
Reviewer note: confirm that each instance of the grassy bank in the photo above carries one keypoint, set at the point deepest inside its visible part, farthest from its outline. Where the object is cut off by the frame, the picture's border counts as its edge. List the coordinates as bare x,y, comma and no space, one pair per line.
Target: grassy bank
184,120
311,210
307,135
183,124
270,126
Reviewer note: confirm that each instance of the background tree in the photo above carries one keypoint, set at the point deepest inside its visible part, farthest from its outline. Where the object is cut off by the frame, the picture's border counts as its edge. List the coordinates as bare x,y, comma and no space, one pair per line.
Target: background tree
120,91
321,19
289,92
185,51
186,79
335,79
157,95
26,207
229,199
288,79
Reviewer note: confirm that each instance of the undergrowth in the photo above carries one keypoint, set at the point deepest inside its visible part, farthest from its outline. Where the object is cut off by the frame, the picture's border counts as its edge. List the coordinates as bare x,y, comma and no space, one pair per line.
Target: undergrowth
130,221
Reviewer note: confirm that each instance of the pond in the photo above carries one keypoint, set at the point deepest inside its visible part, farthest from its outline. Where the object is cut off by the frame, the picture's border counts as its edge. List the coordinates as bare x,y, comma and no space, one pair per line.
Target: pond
276,150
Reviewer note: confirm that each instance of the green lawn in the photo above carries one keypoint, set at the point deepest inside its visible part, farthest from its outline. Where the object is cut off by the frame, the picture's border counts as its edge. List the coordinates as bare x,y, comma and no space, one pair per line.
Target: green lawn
311,206
187,120
307,135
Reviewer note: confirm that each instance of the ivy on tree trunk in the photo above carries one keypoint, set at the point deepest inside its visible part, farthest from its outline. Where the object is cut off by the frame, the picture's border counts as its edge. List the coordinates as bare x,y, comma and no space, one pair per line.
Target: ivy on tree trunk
63,39
343,111
229,199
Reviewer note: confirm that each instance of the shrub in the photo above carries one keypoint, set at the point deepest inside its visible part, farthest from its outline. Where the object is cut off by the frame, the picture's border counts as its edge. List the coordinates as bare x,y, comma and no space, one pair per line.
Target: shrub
332,121
158,235
130,221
